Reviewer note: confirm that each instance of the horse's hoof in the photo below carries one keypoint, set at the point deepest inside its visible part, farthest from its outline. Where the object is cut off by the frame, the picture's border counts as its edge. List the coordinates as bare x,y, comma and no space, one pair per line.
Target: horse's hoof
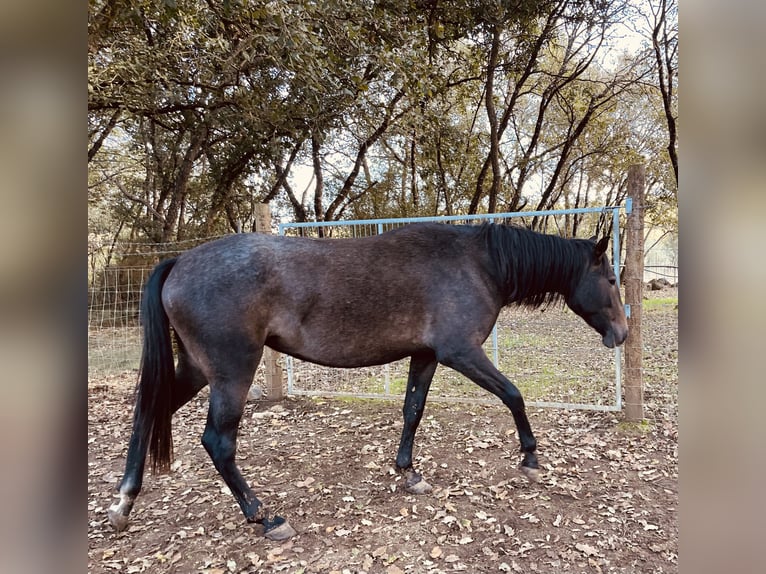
117,519
532,474
281,532
418,487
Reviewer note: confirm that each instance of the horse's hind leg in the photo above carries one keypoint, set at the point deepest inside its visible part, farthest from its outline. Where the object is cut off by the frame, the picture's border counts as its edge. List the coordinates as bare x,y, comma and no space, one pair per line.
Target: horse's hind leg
189,380
422,368
474,364
228,395
187,383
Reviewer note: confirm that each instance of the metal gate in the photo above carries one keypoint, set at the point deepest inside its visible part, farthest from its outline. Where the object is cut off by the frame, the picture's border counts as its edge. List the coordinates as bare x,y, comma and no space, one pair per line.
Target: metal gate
572,372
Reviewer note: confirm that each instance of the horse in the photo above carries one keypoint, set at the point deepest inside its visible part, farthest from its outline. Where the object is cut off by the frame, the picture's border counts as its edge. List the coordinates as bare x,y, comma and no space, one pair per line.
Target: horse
427,291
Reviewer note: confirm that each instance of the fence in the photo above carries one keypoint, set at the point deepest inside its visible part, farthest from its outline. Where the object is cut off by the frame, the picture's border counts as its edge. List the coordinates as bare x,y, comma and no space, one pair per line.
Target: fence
117,273
554,358
661,263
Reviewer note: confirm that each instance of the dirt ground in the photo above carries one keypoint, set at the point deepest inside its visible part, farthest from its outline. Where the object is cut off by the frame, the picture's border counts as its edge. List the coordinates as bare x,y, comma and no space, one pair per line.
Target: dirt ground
607,500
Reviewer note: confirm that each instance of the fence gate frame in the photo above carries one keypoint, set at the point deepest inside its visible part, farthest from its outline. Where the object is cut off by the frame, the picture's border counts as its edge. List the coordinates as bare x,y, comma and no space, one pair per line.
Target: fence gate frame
379,225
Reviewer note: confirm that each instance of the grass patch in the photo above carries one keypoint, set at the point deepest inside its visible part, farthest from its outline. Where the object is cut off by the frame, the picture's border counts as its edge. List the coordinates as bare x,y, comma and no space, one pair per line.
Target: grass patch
377,384
642,427
515,341
660,303
352,400
397,386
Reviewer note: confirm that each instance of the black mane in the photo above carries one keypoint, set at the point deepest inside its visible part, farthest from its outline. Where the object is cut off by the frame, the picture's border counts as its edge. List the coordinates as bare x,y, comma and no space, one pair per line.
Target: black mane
534,268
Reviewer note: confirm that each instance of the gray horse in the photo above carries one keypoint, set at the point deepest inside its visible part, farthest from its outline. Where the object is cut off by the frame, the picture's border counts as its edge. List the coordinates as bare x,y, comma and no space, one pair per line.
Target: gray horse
430,292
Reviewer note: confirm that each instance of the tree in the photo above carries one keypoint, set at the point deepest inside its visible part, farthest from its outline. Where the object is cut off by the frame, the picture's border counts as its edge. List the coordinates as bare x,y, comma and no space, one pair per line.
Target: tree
664,26
197,111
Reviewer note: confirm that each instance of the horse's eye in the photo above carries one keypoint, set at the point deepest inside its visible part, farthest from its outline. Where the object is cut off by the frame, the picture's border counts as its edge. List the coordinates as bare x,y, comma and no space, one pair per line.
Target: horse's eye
612,280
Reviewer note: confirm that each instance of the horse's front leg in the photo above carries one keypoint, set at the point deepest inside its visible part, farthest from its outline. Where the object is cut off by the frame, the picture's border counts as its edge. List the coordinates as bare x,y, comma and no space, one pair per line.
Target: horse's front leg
422,368
474,364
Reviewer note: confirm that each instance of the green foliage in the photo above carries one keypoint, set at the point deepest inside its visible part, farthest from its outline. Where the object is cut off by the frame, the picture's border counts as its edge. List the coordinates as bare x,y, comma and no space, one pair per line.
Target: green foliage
659,303
197,111
640,428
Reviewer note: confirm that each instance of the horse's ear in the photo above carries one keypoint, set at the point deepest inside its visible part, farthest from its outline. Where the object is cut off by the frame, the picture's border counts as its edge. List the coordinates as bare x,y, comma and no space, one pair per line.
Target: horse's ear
601,246
593,238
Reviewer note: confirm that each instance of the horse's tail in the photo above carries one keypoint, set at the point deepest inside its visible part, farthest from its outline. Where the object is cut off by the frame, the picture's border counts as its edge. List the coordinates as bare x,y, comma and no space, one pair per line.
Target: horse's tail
153,412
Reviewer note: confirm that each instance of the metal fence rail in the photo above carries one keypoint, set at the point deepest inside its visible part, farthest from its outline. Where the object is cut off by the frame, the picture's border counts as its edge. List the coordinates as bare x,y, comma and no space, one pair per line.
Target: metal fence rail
598,387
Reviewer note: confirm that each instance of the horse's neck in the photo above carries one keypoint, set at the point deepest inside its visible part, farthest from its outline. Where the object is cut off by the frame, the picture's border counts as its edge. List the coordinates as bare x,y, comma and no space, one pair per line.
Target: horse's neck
545,266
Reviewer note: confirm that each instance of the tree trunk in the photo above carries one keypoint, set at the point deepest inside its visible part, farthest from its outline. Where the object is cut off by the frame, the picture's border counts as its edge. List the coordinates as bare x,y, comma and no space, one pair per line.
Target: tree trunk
181,181
664,48
319,185
494,137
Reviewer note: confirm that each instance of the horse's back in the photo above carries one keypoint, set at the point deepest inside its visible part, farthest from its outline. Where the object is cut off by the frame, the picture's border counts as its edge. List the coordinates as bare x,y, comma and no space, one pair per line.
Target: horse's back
344,302
257,259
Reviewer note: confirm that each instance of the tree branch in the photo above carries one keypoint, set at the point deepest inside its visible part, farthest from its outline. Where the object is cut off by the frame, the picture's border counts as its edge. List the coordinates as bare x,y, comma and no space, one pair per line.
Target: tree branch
103,135
140,200
347,185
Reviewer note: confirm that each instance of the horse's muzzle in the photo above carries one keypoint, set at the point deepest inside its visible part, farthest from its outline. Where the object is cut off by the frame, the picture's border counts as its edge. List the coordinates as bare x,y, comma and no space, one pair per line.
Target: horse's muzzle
615,336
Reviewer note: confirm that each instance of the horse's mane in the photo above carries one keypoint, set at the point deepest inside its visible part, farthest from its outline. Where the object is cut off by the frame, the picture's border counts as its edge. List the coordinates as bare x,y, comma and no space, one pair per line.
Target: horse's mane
534,268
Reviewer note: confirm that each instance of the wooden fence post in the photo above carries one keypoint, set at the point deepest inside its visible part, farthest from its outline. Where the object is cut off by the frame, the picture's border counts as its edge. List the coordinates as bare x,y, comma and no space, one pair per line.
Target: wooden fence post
634,292
274,377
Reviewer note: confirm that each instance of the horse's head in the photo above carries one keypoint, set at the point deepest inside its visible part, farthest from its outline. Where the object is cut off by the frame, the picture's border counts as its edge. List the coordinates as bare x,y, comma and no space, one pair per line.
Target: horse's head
596,298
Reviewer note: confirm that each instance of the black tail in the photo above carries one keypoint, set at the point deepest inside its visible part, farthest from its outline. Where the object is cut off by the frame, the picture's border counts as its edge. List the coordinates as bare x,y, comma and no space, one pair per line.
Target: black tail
152,416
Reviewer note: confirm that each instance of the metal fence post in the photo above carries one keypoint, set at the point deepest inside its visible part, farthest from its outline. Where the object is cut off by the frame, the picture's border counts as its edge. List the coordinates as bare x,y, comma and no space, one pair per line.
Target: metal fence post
617,350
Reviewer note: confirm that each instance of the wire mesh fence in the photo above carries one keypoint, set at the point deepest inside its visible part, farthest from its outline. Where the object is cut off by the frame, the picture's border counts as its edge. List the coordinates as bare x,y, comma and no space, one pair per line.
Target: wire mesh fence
117,273
661,264
552,356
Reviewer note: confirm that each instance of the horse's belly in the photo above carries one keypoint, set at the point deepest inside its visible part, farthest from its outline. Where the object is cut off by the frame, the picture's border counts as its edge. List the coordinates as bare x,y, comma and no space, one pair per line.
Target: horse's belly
345,353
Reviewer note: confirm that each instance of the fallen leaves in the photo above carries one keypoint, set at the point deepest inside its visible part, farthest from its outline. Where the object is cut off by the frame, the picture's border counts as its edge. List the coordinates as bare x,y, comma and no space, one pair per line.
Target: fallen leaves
305,483
587,549
606,499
